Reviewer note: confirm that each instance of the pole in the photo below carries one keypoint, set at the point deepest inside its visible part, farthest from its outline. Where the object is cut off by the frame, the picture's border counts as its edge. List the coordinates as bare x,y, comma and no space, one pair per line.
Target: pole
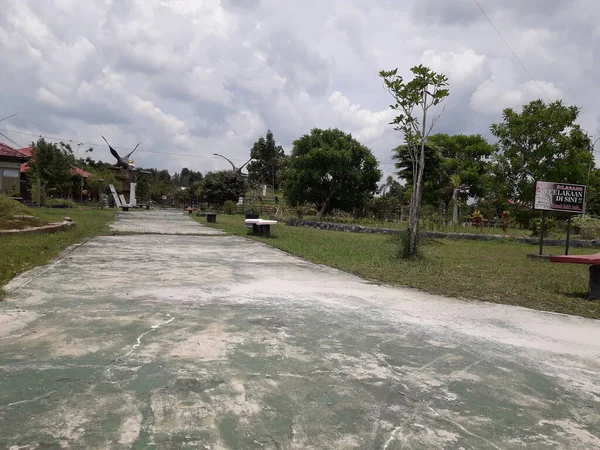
542,232
568,236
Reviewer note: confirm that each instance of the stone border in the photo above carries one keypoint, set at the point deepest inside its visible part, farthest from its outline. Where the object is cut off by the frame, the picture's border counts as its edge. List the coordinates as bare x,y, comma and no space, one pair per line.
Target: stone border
434,234
50,228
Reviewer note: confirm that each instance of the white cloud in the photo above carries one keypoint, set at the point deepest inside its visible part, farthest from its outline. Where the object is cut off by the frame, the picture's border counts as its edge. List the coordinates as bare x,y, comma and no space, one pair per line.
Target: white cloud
205,76
492,95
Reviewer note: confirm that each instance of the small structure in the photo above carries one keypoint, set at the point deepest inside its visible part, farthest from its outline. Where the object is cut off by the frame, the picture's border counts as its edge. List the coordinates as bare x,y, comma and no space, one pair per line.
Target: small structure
10,170
593,261
261,227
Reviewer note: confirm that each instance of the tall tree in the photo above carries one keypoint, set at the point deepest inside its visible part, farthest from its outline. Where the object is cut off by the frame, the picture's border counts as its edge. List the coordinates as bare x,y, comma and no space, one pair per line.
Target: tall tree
51,164
542,142
330,169
426,90
268,160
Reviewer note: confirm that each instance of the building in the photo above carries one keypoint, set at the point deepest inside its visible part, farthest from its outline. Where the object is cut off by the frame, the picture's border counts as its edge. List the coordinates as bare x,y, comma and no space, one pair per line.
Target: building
10,173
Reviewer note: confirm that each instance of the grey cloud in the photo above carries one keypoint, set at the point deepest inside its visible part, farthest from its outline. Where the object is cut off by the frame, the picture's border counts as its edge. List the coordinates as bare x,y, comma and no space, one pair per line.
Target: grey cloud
199,81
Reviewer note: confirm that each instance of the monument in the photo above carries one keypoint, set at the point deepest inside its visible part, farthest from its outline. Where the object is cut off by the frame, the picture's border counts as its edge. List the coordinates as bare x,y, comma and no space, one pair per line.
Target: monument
126,175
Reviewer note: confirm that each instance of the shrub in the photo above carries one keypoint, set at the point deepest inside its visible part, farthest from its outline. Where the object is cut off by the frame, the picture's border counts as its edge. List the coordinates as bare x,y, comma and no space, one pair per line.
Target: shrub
535,226
60,203
587,227
229,207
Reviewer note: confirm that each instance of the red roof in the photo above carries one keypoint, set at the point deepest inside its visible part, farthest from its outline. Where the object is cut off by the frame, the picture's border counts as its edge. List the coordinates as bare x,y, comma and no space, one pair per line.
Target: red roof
9,152
25,166
79,171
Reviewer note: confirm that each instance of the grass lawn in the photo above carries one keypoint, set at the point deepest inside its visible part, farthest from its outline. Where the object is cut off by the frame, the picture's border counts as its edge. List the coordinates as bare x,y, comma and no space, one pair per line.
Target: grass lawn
496,271
21,253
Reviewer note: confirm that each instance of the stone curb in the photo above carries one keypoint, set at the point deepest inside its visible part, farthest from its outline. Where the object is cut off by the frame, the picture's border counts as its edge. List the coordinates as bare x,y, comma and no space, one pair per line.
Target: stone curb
50,228
434,234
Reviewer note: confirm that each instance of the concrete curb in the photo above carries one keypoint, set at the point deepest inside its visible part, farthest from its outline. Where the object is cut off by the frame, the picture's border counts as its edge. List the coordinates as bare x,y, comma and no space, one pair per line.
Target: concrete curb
50,228
434,234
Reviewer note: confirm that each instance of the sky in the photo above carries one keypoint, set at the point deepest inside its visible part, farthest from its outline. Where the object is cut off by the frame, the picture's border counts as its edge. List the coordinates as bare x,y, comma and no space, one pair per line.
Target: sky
191,78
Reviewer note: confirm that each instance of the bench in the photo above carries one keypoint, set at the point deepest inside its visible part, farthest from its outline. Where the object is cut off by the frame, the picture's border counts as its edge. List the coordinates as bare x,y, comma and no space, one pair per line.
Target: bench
211,217
593,261
261,227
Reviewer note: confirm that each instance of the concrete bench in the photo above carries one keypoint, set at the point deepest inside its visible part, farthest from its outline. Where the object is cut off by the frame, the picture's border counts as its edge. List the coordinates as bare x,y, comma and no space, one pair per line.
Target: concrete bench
593,261
261,227
211,217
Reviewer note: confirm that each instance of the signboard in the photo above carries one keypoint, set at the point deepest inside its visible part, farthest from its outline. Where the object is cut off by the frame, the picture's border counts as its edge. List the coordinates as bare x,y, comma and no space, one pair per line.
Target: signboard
132,200
563,197
123,202
115,196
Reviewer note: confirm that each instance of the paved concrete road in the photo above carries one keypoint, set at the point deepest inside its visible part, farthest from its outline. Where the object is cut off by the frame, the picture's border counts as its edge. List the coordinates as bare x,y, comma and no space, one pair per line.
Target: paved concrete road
217,342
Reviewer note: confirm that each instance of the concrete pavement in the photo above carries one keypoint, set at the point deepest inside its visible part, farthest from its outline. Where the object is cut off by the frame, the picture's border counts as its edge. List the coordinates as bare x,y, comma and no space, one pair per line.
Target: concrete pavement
176,341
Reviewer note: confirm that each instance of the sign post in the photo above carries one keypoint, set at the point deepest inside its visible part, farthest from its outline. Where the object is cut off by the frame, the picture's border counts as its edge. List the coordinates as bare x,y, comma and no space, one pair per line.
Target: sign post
561,197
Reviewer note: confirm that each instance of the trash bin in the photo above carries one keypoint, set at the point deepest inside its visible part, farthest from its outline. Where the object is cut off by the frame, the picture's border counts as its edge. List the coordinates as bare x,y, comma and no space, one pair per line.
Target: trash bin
251,215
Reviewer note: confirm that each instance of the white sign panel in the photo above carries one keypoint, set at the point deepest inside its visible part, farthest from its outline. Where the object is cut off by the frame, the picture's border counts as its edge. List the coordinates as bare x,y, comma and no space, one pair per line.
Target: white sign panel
115,196
564,197
123,202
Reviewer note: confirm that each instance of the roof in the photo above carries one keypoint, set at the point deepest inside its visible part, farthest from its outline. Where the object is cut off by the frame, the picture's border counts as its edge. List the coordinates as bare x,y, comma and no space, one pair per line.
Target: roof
9,152
25,166
79,171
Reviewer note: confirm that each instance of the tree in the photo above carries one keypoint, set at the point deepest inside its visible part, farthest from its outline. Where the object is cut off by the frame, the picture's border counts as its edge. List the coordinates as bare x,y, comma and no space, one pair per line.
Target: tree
218,187
451,159
51,164
99,180
426,90
330,169
543,142
268,161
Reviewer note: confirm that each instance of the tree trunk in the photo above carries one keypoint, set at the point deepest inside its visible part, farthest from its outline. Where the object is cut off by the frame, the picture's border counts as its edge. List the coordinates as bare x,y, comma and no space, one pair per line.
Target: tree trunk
324,207
455,212
410,250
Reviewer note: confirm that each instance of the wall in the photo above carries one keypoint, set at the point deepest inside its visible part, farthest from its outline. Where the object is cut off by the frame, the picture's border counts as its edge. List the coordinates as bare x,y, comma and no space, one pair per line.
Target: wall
10,177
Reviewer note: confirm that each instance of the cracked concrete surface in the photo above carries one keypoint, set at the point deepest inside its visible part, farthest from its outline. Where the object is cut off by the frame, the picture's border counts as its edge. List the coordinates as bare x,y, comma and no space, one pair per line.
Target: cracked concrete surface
217,342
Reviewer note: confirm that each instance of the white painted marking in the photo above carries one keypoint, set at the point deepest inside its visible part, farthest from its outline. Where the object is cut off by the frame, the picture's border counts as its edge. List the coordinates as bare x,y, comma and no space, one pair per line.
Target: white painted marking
27,401
139,339
392,437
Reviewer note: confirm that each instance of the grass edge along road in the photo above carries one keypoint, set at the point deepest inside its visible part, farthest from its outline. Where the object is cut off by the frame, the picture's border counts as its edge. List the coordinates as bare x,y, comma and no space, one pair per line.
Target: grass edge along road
21,253
492,271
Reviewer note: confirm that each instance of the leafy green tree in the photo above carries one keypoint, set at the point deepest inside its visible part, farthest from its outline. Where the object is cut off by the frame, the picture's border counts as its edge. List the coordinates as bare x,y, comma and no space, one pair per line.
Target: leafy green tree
426,90
453,162
99,180
268,162
187,177
330,169
51,164
542,142
218,187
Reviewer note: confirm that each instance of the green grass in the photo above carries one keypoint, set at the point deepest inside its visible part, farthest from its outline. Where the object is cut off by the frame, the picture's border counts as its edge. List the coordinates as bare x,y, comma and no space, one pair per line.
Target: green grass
10,210
21,253
496,271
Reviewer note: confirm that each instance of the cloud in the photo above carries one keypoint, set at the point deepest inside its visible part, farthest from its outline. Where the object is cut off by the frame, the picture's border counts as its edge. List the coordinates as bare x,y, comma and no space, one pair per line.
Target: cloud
196,77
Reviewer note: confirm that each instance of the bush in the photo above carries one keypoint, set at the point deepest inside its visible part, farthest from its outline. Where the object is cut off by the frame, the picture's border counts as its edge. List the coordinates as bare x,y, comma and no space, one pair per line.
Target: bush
60,203
535,226
229,207
587,227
